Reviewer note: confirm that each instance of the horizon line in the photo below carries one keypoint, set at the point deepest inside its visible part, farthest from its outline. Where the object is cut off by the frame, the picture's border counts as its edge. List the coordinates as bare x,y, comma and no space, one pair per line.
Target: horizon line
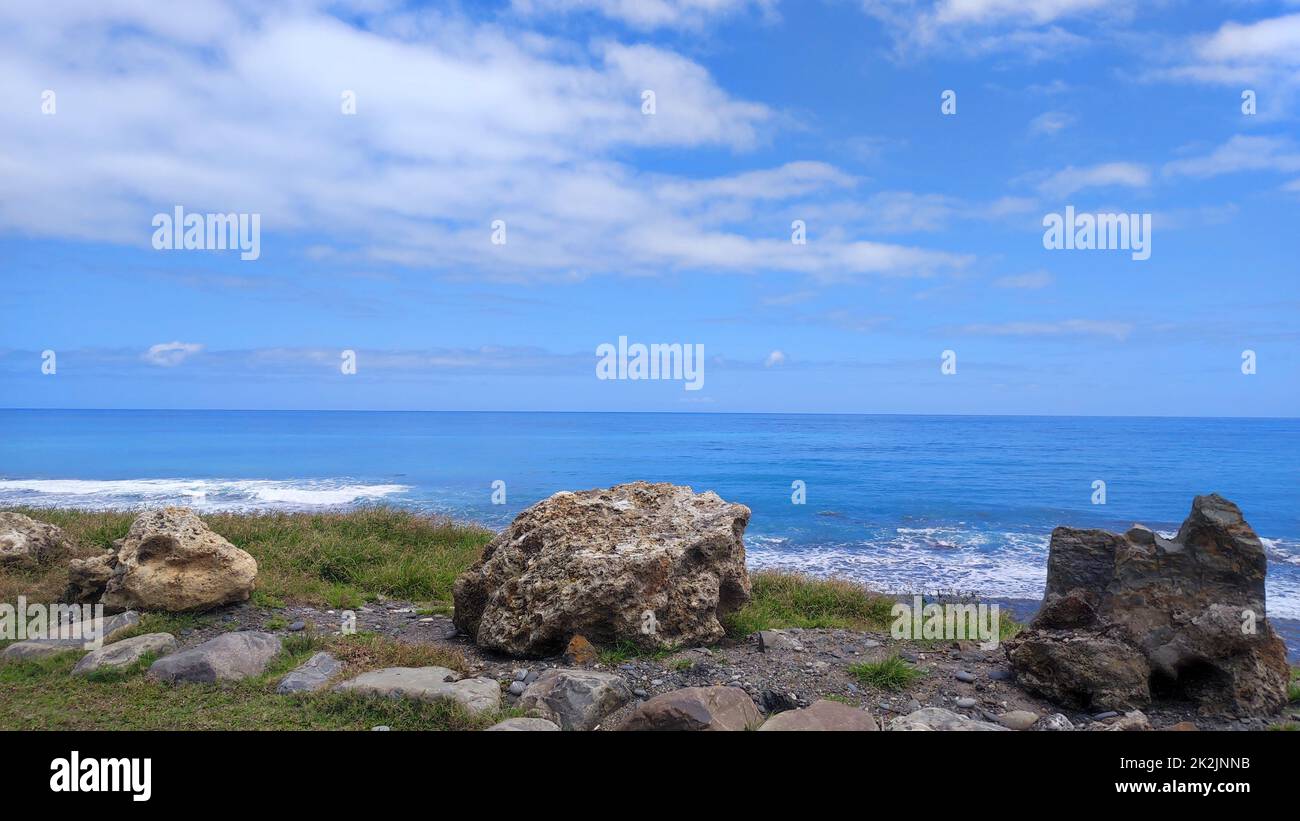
651,412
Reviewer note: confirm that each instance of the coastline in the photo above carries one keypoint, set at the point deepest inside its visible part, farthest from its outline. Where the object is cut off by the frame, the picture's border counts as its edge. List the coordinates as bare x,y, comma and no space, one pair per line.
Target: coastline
1021,609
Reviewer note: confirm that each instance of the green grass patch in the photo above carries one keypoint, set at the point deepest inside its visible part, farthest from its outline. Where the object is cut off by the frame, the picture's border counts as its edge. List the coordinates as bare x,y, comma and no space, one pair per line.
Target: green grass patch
338,560
623,651
784,600
891,673
41,694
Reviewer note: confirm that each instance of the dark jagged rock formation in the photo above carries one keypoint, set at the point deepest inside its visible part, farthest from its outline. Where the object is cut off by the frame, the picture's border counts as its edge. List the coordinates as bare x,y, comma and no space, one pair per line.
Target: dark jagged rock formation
1135,617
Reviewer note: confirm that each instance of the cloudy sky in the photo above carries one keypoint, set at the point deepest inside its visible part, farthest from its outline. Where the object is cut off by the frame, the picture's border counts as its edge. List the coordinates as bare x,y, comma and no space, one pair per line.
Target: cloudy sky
924,229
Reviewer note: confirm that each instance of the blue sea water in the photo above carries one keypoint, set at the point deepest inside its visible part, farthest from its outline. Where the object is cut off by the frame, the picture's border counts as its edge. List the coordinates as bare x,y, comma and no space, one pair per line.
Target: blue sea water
904,503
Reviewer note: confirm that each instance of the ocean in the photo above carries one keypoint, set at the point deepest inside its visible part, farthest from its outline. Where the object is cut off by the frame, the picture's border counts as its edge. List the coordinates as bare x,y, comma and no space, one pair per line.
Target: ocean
903,503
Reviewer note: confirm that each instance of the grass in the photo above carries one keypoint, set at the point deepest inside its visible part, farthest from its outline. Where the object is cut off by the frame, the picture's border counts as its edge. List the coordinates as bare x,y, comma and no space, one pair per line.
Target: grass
891,673
783,600
338,560
623,651
42,694
342,560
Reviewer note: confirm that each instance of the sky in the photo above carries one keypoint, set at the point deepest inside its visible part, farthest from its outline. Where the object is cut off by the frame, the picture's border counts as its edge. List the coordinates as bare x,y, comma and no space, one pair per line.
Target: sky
388,148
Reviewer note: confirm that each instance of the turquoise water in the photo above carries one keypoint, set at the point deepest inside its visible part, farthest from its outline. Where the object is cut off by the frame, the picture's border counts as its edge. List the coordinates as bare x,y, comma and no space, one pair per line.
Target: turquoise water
906,503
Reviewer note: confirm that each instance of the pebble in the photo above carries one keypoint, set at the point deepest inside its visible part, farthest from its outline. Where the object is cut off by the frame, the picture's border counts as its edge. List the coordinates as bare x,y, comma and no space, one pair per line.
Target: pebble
382,728
1018,719
639,693
964,675
520,674
1105,715
966,703
1001,675
517,688
1056,722
297,626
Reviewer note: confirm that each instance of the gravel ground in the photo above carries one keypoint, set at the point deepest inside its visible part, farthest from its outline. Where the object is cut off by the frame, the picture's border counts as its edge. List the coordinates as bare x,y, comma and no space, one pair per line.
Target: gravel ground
958,676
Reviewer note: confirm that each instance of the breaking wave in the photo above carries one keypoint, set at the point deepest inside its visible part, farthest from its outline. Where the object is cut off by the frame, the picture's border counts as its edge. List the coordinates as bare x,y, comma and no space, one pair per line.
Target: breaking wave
201,494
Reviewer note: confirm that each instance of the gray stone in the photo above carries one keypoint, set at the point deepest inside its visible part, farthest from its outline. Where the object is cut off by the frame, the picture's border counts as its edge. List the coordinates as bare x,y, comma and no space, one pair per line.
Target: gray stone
525,725
964,675
770,641
575,699
966,702
520,674
381,728
517,688
109,626
312,675
297,626
228,657
937,718
126,652
427,684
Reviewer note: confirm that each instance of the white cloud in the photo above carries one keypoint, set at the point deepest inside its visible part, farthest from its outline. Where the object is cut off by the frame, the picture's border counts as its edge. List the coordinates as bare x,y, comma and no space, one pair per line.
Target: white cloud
1263,54
1072,179
1273,40
651,14
1030,28
1050,123
171,354
458,123
773,359
1033,12
1029,281
1065,327
1241,153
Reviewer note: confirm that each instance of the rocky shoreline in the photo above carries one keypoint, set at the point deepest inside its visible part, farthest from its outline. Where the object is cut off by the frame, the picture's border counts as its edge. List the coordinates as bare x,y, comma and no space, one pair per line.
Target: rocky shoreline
603,610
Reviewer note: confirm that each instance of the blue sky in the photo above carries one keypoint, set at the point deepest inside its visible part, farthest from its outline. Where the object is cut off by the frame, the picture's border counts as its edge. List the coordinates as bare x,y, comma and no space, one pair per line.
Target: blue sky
924,229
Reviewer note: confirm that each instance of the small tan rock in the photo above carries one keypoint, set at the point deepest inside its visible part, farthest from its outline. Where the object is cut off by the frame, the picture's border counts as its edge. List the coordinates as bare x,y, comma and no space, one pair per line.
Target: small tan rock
1184,727
1132,721
1018,719
822,715
697,708
580,651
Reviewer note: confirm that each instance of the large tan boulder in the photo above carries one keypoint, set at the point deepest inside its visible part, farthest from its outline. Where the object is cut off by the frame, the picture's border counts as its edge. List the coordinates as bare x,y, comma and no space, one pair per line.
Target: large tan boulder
651,564
1128,619
170,560
25,542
